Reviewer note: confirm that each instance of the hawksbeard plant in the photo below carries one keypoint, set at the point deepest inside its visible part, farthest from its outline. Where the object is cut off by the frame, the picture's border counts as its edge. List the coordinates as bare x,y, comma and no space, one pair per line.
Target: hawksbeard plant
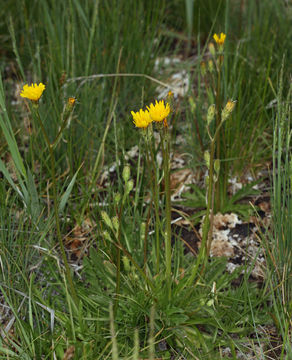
34,93
158,113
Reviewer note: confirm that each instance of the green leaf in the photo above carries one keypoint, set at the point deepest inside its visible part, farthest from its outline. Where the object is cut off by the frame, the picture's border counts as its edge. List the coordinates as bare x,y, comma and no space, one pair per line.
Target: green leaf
9,135
7,176
34,204
67,193
247,190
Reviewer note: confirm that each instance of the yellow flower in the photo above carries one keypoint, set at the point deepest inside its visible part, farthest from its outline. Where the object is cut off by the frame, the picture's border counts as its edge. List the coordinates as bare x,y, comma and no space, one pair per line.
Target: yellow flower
33,92
219,39
230,105
71,101
141,118
226,112
159,111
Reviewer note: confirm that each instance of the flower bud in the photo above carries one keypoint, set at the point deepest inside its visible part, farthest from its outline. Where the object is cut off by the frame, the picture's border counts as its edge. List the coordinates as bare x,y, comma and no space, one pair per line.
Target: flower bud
210,65
129,186
211,114
210,302
115,222
203,68
107,236
207,181
207,158
106,219
117,198
142,231
126,173
126,263
192,105
212,49
217,166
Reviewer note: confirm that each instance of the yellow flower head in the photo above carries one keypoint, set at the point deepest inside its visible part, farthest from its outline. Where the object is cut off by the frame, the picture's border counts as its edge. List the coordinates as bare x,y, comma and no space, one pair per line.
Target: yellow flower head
219,39
71,101
69,106
230,105
159,111
33,92
141,118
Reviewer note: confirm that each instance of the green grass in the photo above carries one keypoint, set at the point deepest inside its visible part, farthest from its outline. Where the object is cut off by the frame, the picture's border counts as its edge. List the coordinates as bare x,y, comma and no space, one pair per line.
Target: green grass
65,44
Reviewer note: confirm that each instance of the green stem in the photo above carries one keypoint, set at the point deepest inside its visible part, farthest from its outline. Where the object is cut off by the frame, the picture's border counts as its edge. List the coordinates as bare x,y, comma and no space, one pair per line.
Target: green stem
206,226
56,212
156,207
218,122
207,229
64,124
118,264
165,151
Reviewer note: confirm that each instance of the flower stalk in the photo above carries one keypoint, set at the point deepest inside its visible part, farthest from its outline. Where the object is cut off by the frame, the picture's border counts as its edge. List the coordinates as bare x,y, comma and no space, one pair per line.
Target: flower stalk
34,93
155,196
166,159
214,172
158,113
56,203
219,152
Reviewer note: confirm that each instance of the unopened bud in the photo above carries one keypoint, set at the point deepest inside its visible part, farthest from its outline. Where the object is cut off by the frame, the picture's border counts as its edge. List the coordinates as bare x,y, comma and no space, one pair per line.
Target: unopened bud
117,198
142,231
126,263
207,158
107,236
212,49
115,222
207,180
126,173
106,219
203,68
210,302
217,166
129,186
210,65
211,114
